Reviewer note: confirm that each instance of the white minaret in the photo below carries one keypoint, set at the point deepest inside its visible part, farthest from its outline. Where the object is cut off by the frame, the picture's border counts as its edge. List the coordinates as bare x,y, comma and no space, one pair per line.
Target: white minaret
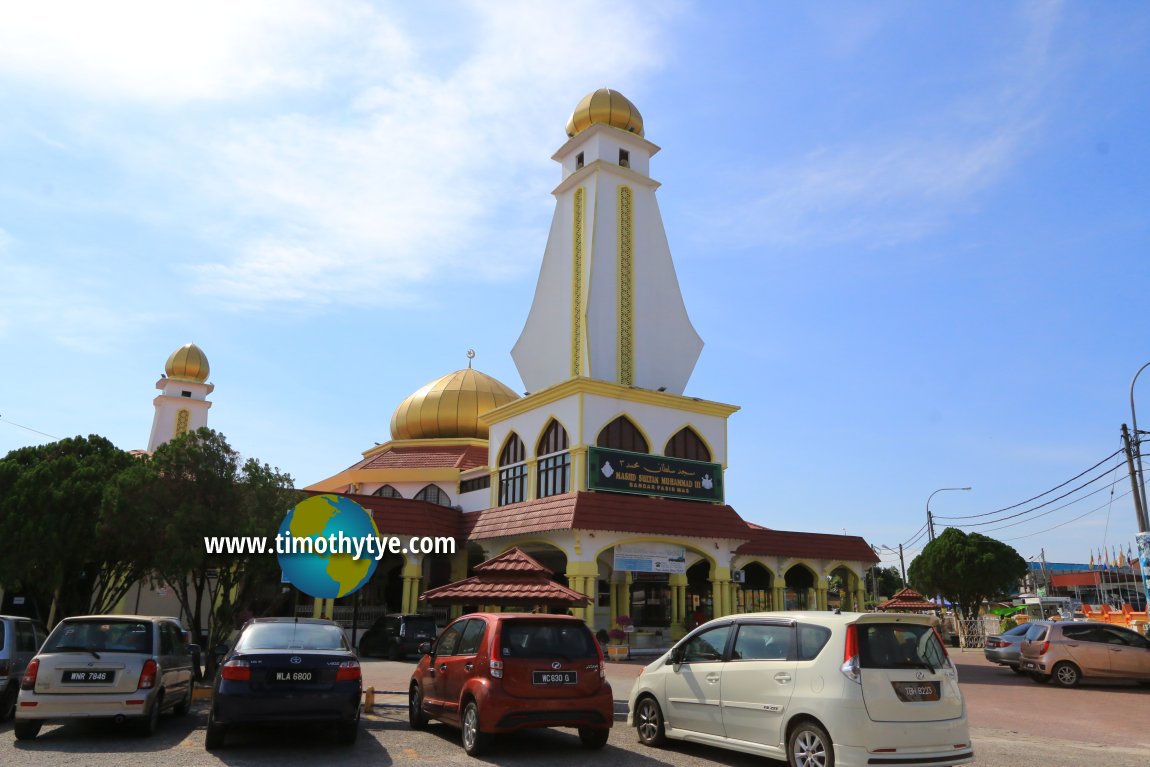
607,304
182,405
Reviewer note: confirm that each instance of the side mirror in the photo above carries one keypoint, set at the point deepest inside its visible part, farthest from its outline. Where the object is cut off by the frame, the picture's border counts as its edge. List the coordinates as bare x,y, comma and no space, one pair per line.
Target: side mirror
424,648
676,656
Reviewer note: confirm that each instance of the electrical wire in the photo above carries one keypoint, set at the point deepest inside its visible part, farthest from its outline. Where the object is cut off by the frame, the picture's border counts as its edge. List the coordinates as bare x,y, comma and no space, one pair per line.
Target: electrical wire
27,428
1035,498
914,537
1067,522
1048,511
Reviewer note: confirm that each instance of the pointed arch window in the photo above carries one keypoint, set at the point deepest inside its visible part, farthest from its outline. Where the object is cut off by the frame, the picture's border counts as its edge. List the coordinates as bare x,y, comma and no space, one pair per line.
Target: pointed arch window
554,461
433,494
621,434
686,443
387,491
512,471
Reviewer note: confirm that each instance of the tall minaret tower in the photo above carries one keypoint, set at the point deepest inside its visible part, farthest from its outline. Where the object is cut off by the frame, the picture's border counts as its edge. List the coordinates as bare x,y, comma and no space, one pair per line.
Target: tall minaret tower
182,405
607,305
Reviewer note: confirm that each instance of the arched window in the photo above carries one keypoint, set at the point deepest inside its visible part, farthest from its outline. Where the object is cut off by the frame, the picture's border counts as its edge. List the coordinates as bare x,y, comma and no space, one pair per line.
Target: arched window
387,491
554,461
512,472
687,444
433,494
621,434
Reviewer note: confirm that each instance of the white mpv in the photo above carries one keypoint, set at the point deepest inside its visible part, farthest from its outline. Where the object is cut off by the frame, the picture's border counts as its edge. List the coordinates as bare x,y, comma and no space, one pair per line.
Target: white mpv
817,688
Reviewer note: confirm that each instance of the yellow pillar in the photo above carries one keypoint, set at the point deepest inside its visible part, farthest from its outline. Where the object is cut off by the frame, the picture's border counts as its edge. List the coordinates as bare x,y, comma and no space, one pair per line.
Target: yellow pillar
412,574
719,580
579,468
579,574
613,604
821,595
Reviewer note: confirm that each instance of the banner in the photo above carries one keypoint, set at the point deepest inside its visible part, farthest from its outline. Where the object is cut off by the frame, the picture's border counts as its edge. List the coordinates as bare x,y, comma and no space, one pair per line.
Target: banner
618,471
650,558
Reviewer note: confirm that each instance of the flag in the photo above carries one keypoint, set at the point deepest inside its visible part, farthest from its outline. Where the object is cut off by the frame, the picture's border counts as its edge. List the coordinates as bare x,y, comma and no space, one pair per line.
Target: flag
1091,559
1121,558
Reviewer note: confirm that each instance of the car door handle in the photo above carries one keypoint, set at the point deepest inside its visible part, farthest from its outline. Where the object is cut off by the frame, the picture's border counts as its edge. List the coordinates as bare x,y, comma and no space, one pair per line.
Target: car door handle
466,666
443,667
713,678
782,677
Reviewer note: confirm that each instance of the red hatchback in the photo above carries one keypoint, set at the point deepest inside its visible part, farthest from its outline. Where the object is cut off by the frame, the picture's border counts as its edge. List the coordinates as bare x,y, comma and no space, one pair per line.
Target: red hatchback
501,672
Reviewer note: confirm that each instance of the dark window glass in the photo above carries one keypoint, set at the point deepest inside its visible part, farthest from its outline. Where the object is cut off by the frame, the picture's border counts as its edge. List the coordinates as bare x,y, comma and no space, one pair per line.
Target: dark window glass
554,472
512,472
25,637
812,640
291,636
687,444
387,491
450,639
1037,632
547,639
433,494
167,646
469,640
621,434
624,158
101,636
478,483
899,645
763,642
707,646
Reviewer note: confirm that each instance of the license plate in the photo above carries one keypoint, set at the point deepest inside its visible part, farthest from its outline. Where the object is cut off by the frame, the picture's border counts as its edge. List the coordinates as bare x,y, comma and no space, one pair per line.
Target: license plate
292,676
1029,664
89,677
554,677
912,692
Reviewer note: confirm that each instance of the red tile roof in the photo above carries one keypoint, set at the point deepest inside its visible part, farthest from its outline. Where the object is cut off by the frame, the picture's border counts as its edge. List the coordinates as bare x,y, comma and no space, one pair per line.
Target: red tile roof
610,512
404,516
511,578
798,545
460,457
907,599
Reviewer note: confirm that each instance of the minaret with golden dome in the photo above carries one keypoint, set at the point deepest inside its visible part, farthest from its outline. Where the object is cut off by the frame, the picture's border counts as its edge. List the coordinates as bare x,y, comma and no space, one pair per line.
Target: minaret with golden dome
607,304
182,404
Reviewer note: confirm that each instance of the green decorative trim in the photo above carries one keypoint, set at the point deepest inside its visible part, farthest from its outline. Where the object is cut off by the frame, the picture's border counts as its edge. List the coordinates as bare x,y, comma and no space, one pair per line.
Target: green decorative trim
577,284
626,288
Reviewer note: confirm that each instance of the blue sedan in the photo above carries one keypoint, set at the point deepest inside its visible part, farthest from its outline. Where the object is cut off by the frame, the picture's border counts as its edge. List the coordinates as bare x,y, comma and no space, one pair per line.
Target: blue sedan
287,670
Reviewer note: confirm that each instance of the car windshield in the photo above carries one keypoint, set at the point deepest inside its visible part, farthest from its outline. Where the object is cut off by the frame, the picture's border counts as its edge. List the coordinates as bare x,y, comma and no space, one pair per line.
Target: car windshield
547,639
1036,632
414,626
291,636
101,636
899,645
1018,630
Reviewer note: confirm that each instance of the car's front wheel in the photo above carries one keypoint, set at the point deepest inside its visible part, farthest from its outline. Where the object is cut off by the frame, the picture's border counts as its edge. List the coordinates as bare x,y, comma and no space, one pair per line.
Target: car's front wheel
649,722
475,742
810,746
415,716
1066,674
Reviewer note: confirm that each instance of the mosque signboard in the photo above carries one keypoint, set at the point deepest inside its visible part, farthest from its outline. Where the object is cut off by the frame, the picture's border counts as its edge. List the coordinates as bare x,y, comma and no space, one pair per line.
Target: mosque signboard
619,471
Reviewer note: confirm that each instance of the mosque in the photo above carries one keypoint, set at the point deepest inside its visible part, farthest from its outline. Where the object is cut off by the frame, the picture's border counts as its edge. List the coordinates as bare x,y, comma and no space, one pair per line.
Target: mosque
606,470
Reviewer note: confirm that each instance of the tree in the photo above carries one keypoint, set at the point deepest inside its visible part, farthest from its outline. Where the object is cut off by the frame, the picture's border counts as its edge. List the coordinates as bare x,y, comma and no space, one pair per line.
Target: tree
966,568
67,542
889,581
197,486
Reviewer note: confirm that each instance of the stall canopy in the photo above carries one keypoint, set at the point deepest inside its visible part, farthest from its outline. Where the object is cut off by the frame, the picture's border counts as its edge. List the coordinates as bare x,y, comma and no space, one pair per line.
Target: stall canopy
511,579
905,600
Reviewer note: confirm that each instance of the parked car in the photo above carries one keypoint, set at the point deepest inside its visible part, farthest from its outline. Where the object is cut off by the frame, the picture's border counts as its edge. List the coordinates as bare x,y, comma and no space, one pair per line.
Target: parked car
501,672
1066,652
286,671
397,636
1005,648
814,688
20,638
122,667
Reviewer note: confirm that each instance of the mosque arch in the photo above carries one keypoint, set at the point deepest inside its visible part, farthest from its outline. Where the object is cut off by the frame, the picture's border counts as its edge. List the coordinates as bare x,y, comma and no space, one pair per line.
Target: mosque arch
387,491
623,434
512,471
756,590
800,581
686,443
434,494
553,461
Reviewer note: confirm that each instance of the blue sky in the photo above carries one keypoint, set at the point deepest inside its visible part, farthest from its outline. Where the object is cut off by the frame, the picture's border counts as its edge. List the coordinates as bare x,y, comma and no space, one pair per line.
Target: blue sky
913,236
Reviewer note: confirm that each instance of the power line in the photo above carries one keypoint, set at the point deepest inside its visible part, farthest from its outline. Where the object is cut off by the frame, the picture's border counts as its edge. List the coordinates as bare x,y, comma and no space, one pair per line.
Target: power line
1048,511
27,428
1067,522
916,536
1035,498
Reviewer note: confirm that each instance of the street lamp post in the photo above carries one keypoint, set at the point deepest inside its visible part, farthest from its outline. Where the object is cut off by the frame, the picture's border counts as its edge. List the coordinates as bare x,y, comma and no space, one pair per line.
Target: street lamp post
1143,522
929,517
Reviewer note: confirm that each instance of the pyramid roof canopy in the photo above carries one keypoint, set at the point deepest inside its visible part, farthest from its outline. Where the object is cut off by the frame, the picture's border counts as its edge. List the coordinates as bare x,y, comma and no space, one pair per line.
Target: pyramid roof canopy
512,578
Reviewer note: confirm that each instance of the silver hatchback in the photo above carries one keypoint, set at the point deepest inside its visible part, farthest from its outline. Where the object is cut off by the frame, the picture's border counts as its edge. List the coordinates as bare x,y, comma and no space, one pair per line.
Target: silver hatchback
120,667
1066,651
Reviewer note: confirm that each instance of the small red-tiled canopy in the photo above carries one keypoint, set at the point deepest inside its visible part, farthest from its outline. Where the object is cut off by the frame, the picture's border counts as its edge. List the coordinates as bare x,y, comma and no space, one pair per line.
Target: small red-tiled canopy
512,578
907,599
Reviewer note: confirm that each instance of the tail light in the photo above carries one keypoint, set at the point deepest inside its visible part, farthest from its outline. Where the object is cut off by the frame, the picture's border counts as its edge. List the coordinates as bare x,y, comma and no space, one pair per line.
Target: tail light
850,667
941,643
1045,646
495,665
29,681
147,675
348,671
236,670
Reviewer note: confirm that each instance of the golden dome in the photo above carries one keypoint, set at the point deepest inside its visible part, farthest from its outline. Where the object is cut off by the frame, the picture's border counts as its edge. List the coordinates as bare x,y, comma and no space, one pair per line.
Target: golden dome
607,107
188,363
450,407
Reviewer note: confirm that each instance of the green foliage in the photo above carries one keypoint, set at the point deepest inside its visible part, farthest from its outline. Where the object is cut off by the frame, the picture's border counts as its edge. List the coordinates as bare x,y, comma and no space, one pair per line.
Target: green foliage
1006,625
889,580
64,536
966,568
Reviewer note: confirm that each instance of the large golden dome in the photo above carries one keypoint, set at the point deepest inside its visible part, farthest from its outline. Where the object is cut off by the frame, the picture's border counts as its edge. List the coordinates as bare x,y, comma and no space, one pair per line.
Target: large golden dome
607,107
450,407
188,363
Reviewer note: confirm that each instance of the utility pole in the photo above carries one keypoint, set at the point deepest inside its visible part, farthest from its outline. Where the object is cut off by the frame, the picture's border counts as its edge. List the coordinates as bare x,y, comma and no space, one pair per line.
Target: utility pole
902,565
930,525
1139,508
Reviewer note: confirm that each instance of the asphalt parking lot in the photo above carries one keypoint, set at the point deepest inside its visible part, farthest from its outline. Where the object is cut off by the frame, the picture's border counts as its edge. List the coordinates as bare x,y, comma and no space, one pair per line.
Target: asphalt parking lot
1015,723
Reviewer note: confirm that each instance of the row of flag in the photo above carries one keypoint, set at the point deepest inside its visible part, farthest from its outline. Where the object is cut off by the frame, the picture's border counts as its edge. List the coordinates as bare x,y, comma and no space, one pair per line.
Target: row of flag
1115,558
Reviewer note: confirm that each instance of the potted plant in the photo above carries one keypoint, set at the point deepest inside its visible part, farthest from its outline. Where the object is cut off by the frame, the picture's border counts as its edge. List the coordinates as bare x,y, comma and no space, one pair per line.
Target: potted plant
617,650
